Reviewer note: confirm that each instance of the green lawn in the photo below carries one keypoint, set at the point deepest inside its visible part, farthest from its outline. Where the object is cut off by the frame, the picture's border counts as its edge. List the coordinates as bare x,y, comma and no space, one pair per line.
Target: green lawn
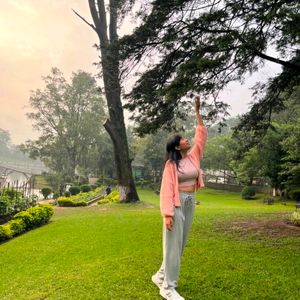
111,251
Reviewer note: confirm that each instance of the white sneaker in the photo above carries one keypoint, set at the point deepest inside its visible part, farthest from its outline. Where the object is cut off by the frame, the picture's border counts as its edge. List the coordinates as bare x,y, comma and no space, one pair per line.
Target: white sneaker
170,294
157,281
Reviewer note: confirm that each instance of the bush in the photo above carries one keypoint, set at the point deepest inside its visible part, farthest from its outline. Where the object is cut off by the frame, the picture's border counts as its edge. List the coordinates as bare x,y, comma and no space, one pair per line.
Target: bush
85,188
295,218
94,186
55,195
5,233
5,205
67,194
26,217
17,226
46,191
12,193
112,197
74,190
295,194
248,192
31,218
69,202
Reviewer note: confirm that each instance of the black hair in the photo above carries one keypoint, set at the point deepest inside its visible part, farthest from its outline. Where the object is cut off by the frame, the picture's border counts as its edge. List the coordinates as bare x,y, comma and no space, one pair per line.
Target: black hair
172,153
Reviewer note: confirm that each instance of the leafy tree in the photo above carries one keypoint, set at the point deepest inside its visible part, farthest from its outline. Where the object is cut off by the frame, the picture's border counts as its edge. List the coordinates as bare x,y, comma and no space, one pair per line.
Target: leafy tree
218,153
291,163
109,50
68,117
202,46
249,167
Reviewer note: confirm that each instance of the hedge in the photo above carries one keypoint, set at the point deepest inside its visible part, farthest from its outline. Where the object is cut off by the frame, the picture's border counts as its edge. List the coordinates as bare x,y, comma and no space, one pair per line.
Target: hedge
26,220
69,202
112,197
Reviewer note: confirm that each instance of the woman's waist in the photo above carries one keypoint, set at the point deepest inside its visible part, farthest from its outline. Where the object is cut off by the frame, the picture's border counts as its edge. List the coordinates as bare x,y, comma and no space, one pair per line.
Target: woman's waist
187,189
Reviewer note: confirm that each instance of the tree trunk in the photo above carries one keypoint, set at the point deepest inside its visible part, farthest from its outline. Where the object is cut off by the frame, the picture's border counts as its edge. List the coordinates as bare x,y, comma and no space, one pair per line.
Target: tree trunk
115,125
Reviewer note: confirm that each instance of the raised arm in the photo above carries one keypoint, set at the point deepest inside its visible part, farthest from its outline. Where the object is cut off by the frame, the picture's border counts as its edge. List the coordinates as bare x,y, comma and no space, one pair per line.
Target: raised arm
197,111
200,133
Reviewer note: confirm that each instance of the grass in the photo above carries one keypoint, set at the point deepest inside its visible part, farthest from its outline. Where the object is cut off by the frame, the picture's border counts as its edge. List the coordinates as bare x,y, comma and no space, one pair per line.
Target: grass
111,251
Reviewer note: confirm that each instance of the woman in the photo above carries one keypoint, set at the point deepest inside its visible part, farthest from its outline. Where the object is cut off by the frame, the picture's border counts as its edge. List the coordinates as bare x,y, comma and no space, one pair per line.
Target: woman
181,178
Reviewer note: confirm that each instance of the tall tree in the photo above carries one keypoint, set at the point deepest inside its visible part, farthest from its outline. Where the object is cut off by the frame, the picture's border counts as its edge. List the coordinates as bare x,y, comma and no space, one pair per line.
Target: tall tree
204,45
68,117
109,50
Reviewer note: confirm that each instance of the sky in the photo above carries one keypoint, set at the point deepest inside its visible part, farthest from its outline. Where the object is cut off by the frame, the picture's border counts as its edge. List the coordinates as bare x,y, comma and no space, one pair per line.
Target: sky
37,35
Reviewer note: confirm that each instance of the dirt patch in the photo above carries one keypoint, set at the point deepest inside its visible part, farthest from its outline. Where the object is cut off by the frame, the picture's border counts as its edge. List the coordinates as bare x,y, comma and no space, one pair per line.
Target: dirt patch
273,228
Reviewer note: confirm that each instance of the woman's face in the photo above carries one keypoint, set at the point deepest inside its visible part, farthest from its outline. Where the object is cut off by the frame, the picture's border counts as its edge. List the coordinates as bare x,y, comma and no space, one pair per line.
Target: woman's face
184,144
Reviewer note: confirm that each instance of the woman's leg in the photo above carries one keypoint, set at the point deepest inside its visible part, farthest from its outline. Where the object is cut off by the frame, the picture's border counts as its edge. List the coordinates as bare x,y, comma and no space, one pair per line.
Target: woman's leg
172,245
175,240
188,211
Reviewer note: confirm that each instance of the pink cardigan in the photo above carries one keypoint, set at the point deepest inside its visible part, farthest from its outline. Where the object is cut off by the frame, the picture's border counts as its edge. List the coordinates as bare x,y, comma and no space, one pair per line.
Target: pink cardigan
169,192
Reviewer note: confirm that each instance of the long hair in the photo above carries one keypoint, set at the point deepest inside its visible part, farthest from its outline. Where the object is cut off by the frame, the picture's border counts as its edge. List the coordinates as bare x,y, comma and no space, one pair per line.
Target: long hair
172,154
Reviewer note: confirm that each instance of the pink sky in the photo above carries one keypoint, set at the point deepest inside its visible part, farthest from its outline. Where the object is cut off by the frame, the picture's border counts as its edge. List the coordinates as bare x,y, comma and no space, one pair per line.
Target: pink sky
37,35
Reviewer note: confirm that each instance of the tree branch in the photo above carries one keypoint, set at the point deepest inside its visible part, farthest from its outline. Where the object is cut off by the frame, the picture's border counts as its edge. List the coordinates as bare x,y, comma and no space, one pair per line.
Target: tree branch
84,20
277,60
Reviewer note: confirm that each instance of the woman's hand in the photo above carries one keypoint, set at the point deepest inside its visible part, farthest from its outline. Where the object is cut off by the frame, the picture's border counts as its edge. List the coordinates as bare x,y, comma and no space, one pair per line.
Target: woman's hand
169,222
197,103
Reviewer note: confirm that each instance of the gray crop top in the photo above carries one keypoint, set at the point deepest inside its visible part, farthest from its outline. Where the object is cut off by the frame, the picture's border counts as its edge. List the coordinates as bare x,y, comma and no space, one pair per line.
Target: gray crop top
187,172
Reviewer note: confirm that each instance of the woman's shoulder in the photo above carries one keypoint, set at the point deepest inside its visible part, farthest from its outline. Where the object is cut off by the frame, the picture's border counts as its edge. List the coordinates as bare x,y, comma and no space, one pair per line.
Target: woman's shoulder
170,164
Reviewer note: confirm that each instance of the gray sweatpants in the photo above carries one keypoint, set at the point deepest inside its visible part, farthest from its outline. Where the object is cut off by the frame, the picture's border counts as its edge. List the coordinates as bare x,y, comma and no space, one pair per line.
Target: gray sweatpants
175,240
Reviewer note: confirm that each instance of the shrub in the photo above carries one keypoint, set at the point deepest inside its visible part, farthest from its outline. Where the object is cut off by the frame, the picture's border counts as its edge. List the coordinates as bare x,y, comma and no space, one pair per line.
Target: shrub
94,186
112,197
295,194
17,226
65,201
46,191
69,202
5,233
80,203
295,218
5,204
11,193
74,190
32,217
41,214
85,188
248,192
26,217
67,194
55,195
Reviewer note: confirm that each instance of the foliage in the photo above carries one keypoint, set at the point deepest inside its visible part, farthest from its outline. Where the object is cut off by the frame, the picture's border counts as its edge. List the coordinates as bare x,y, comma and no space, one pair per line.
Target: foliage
5,233
67,194
248,192
26,220
10,206
69,117
202,46
46,191
295,218
80,199
54,180
17,226
55,195
110,198
85,188
68,201
248,167
295,194
218,153
74,190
